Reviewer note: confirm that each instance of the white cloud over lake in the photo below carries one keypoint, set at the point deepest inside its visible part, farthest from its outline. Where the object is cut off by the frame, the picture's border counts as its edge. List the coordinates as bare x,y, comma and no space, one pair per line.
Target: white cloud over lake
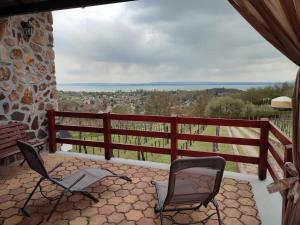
163,40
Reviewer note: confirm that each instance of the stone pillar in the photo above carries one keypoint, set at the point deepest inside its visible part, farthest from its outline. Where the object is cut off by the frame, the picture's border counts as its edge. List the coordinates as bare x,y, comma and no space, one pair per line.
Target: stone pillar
27,72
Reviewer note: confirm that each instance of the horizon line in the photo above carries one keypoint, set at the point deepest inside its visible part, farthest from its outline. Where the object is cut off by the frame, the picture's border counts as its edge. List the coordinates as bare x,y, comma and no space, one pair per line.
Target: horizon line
177,82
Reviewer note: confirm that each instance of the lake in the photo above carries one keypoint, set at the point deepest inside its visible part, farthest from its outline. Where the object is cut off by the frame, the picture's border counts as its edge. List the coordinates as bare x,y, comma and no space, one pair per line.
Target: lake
167,86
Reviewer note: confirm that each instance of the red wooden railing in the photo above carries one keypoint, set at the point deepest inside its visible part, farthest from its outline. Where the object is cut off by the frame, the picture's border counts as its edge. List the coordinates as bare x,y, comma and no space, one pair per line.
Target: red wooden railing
107,131
286,142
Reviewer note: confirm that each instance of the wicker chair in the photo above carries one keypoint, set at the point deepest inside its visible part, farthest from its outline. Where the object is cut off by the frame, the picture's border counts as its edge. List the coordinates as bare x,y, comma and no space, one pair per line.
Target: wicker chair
74,183
193,182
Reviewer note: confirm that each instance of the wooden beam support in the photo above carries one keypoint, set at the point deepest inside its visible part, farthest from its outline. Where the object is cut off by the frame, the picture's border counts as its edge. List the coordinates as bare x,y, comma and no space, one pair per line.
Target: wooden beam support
50,5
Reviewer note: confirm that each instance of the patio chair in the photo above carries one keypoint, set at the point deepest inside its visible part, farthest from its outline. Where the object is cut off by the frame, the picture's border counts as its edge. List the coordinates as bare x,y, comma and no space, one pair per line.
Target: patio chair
193,182
74,183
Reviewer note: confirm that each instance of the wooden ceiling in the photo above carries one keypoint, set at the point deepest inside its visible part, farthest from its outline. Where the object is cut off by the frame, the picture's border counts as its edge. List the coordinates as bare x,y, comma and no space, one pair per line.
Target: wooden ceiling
16,7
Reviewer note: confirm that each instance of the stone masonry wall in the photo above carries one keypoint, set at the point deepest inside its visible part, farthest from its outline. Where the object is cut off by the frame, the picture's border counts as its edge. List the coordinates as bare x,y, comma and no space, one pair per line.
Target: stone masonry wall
27,73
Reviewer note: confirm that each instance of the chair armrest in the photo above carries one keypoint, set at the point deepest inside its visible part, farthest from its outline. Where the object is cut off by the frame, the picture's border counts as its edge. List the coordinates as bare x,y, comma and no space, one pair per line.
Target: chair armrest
34,142
38,144
55,167
76,181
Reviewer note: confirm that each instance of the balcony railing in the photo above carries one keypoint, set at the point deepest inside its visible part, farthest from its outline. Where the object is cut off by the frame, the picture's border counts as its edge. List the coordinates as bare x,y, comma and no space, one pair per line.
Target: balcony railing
268,152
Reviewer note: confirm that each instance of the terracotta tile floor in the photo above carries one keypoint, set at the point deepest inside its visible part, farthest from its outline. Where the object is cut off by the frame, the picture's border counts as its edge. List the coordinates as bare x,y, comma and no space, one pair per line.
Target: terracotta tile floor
120,202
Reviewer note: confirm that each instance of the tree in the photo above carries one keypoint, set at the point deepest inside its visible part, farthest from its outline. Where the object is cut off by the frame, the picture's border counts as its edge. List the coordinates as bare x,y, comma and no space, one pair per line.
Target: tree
198,107
265,111
225,107
158,103
261,96
121,109
249,111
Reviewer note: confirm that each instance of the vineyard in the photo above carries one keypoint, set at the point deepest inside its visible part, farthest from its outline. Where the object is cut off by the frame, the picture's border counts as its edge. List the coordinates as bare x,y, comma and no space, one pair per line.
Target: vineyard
284,123
149,141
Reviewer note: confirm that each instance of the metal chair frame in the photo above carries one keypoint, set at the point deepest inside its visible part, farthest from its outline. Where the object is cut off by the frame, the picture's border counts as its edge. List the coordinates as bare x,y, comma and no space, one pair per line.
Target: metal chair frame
195,162
46,175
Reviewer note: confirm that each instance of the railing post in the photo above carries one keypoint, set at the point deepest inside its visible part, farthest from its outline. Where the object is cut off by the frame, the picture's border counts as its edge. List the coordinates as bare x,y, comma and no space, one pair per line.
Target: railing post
107,136
264,147
288,157
51,131
174,150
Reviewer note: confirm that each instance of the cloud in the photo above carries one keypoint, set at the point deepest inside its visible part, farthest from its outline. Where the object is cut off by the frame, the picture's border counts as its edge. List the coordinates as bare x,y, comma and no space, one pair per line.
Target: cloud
163,40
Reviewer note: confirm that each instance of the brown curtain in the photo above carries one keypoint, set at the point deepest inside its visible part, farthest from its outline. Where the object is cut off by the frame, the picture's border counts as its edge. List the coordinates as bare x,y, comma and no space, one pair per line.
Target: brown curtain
278,21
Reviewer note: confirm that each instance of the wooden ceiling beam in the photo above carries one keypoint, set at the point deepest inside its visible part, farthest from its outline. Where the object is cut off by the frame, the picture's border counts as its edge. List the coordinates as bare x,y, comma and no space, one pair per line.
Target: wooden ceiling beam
50,5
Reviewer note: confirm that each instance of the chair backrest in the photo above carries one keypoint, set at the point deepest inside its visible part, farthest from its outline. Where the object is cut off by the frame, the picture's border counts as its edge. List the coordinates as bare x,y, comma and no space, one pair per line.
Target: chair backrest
33,159
194,180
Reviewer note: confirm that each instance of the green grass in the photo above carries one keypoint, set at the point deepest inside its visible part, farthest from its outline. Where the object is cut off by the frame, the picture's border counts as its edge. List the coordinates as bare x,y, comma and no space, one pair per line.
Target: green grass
245,135
158,142
155,142
224,148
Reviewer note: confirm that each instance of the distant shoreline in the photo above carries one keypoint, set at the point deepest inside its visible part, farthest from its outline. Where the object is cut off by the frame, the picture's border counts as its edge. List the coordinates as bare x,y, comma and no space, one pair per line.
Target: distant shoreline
175,83
160,86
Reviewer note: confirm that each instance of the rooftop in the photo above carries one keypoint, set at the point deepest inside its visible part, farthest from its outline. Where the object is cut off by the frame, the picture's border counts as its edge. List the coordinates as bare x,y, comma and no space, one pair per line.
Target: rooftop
120,202
15,7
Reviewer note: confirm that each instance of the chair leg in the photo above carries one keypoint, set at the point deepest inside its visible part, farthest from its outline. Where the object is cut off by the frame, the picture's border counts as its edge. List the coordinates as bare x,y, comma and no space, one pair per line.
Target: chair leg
29,197
89,195
156,209
119,176
125,178
55,205
21,164
215,203
40,149
161,217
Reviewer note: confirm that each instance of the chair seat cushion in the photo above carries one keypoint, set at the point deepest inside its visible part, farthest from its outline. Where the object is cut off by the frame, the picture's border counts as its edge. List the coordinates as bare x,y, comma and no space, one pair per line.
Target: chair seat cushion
92,175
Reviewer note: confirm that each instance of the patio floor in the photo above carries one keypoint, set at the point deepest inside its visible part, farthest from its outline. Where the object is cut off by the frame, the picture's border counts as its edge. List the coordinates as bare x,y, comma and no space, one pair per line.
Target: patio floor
120,202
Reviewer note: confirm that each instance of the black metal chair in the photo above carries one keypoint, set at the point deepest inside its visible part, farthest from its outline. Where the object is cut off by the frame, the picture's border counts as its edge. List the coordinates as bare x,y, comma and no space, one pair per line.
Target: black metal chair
74,183
193,182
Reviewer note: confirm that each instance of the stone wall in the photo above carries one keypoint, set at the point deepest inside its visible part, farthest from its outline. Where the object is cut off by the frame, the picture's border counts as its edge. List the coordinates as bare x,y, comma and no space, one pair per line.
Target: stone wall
27,72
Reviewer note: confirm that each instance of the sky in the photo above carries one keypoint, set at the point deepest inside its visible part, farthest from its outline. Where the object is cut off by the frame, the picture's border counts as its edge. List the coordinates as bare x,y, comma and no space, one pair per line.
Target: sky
163,41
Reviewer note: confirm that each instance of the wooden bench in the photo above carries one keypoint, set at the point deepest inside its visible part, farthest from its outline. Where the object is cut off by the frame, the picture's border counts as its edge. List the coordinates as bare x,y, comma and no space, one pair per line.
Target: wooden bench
9,134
